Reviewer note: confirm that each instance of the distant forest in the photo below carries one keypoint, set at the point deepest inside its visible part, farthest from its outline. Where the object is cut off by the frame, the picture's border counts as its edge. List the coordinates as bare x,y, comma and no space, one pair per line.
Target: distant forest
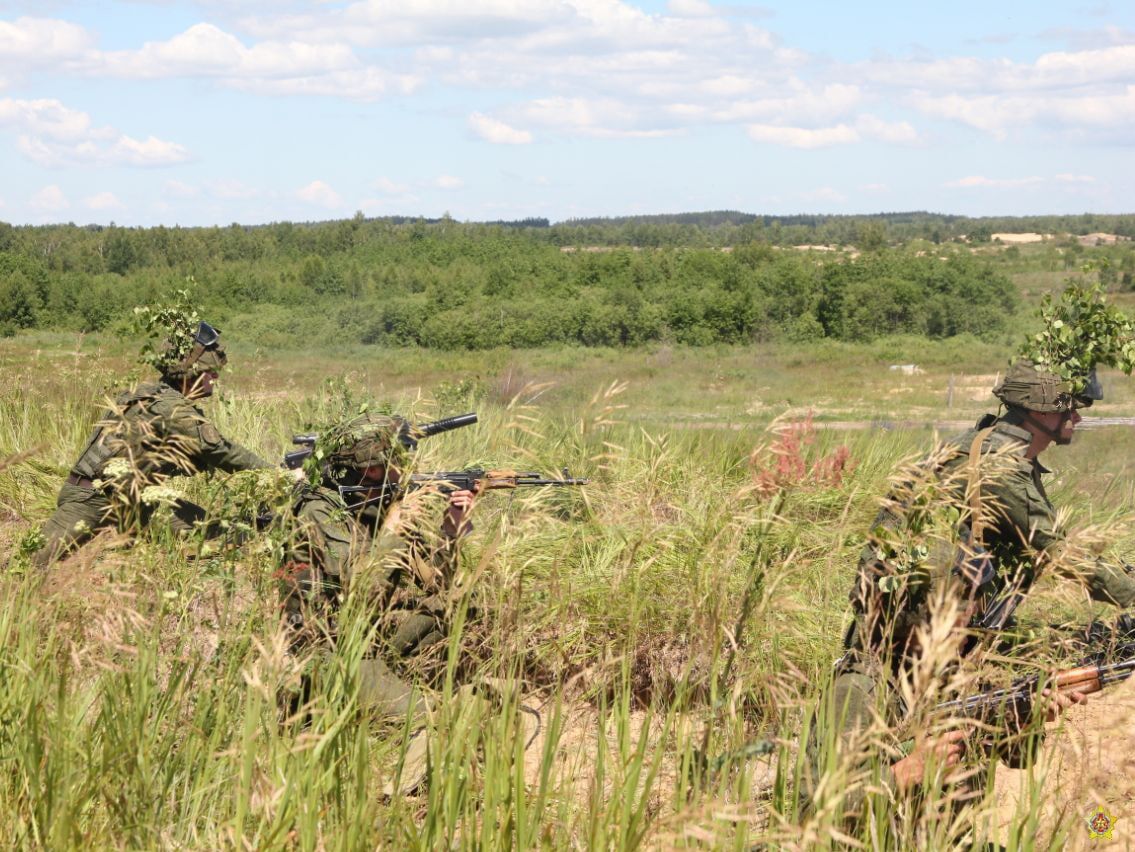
696,278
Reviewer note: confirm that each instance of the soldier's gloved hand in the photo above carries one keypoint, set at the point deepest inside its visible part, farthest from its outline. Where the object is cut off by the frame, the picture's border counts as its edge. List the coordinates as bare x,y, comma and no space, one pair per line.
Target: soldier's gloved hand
946,749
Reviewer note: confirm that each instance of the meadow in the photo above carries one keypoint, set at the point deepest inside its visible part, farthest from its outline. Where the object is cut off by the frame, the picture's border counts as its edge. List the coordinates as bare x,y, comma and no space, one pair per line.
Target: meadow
673,622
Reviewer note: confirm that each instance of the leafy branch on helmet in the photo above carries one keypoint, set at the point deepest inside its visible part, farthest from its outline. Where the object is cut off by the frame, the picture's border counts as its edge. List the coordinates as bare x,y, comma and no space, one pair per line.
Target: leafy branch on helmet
170,329
1080,332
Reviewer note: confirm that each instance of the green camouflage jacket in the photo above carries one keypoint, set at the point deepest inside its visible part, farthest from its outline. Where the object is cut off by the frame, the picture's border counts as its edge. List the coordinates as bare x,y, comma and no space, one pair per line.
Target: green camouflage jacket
161,433
404,573
1018,529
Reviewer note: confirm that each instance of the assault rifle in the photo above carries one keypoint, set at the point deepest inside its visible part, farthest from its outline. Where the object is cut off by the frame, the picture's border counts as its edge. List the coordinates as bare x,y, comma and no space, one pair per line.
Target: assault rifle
446,481
408,435
1103,667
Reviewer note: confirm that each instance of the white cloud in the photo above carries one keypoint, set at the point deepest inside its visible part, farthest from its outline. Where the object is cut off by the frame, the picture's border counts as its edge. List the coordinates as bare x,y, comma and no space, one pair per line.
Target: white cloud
206,50
102,201
54,135
44,117
826,194
803,137
177,189
690,8
124,151
319,193
895,132
292,67
497,132
40,41
50,199
1063,91
379,22
875,187
982,182
607,69
448,182
1066,178
598,117
151,152
232,190
390,187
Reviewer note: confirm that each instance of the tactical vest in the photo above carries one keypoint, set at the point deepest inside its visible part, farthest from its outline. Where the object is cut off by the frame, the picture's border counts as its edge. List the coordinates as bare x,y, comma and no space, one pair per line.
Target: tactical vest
101,447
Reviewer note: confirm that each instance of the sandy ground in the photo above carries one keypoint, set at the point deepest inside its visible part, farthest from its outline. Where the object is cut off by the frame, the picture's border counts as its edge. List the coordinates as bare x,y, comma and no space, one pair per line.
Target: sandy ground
1090,763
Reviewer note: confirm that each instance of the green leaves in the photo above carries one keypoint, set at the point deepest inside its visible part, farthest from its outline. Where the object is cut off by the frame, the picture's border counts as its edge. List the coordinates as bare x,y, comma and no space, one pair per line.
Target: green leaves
170,328
1080,332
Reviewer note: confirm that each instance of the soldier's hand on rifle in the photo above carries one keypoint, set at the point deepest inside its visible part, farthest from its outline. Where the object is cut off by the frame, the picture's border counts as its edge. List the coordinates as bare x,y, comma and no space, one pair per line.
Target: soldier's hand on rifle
457,523
946,749
1057,702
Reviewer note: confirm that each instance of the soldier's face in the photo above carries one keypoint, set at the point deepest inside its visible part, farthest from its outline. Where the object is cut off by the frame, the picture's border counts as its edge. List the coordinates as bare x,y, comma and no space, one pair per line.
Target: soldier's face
202,385
1061,424
378,474
1068,422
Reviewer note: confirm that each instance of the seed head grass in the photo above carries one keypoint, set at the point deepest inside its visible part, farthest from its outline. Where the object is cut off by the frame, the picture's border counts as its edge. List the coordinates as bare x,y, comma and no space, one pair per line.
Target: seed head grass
673,623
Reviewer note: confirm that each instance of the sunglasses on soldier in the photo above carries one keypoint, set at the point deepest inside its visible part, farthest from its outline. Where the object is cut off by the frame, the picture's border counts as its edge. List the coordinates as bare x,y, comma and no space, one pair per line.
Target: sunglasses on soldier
206,335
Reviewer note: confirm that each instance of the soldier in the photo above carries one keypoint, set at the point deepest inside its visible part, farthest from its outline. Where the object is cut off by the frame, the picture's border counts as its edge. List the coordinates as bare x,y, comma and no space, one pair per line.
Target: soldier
1004,534
355,541
155,431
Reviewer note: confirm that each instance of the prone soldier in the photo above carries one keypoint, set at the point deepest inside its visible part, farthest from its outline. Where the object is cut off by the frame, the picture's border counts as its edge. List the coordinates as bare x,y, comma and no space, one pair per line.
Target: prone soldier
349,539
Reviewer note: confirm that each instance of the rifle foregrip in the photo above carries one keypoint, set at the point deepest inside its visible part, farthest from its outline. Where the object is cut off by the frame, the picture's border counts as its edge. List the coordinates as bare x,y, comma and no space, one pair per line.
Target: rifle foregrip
1085,679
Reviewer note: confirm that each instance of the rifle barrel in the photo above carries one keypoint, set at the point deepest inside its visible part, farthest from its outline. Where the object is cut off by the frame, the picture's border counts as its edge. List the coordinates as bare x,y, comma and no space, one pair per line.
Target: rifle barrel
446,424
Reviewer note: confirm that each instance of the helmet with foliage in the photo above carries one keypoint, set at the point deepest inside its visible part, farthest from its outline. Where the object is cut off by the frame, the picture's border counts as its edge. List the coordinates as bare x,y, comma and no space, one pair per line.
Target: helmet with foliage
1035,389
362,441
190,347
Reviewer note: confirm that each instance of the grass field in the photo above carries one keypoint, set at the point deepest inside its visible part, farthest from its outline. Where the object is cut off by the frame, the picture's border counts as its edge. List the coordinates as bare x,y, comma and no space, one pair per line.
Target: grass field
139,705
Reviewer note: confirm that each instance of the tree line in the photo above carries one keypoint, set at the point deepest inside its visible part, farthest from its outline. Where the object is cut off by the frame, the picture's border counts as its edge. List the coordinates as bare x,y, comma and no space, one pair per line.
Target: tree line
451,285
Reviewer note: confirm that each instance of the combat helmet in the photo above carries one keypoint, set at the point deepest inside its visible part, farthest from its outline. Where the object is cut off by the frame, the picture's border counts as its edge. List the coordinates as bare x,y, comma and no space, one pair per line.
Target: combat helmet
1036,389
188,359
363,441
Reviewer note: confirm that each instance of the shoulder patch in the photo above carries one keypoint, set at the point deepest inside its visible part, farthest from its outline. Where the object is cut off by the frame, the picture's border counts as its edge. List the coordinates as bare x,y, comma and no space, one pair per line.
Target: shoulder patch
209,434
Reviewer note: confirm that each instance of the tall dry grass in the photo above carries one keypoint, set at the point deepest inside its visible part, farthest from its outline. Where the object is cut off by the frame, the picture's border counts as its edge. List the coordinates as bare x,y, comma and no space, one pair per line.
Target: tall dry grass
141,681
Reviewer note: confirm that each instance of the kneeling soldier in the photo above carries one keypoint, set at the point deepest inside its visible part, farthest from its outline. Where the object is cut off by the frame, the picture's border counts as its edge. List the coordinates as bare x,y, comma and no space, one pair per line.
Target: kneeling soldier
155,431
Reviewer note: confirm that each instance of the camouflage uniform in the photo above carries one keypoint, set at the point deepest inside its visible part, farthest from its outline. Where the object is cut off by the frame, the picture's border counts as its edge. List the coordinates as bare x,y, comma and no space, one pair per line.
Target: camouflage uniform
1020,533
403,575
158,432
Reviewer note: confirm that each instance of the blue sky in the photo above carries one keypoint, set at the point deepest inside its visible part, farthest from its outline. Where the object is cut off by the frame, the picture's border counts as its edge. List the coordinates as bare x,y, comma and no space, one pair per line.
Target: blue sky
147,112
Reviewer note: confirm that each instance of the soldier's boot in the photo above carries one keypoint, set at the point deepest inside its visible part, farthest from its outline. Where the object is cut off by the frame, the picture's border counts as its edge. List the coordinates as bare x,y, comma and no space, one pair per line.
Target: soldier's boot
79,514
506,693
382,694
